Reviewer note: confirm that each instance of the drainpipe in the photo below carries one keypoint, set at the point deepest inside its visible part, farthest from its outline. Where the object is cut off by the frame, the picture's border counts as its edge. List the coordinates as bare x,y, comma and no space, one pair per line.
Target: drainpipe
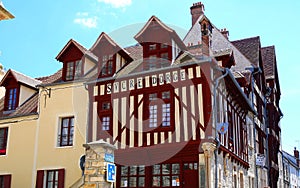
214,120
254,70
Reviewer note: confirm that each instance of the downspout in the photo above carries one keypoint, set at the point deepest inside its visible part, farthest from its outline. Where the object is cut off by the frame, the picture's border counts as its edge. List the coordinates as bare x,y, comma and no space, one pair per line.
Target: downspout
214,120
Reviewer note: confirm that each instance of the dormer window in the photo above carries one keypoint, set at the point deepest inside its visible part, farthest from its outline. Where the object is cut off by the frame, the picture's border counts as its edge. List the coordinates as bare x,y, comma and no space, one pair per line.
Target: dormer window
11,99
157,55
107,65
73,70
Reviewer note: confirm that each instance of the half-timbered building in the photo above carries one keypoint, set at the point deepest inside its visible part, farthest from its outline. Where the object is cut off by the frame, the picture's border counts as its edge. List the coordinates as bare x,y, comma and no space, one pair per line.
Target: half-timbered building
191,112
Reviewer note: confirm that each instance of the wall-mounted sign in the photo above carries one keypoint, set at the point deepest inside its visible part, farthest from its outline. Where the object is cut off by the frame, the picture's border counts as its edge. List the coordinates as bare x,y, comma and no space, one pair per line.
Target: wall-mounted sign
111,172
109,157
260,159
222,127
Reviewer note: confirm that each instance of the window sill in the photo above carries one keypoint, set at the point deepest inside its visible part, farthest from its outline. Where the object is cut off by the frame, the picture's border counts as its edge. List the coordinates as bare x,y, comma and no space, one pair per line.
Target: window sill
64,147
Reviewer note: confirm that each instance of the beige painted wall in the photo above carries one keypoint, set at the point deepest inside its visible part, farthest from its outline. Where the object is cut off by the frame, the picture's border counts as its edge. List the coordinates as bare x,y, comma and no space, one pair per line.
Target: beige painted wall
25,93
19,159
66,100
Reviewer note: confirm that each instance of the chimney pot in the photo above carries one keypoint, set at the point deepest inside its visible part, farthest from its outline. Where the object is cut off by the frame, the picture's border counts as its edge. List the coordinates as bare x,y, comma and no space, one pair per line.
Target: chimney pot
225,33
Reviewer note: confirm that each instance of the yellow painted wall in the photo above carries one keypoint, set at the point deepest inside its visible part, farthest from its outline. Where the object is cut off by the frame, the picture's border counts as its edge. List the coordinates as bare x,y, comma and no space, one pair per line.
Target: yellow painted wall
19,158
65,100
25,93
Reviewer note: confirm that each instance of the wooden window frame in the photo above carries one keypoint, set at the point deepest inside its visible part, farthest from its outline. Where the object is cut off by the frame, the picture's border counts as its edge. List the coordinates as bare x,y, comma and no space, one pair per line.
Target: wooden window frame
73,70
102,113
161,174
105,60
42,179
159,52
160,103
70,132
5,181
129,174
3,147
11,99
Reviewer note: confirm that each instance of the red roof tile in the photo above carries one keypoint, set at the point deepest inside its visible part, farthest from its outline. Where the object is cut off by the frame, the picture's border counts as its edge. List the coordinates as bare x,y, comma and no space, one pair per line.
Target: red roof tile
250,48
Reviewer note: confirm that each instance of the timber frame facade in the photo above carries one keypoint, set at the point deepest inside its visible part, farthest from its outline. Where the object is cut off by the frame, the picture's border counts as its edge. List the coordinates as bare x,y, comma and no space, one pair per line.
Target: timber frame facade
193,112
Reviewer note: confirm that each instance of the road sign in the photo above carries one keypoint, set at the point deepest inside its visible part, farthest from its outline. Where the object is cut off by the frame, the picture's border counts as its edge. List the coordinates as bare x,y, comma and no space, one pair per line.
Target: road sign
111,172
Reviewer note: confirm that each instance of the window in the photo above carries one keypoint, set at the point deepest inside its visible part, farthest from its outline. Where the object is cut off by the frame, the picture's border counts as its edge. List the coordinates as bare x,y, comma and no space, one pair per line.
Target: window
159,109
73,70
156,55
3,140
66,132
105,115
132,176
50,178
107,66
5,181
11,99
166,175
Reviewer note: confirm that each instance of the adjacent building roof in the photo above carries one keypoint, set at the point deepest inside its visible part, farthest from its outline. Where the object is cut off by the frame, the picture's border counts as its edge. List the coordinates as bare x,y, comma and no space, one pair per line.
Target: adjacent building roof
21,78
250,47
30,106
4,14
269,60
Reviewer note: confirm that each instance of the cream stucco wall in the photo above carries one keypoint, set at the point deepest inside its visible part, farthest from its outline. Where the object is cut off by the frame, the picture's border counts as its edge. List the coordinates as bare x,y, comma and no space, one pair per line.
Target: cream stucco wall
65,100
19,158
25,94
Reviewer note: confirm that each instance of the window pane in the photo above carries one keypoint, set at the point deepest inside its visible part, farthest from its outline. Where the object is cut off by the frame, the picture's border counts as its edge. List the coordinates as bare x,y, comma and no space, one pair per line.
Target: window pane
141,182
124,171
105,123
166,169
141,170
166,95
152,96
156,169
166,181
124,182
132,182
105,105
175,168
152,46
156,181
175,181
133,170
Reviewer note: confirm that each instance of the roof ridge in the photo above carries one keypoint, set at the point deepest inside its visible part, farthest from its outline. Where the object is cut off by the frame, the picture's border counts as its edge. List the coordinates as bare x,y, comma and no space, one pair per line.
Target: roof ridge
249,38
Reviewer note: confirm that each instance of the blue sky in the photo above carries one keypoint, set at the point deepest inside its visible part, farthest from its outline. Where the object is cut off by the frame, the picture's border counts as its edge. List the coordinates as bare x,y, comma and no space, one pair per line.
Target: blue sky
30,42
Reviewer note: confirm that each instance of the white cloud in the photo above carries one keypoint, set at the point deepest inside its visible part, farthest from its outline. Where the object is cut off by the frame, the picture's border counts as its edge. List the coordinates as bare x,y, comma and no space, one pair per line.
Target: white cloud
84,20
117,3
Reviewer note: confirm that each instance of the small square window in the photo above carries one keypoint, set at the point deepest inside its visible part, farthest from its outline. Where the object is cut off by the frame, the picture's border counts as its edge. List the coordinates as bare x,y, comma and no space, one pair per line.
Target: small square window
152,47
105,105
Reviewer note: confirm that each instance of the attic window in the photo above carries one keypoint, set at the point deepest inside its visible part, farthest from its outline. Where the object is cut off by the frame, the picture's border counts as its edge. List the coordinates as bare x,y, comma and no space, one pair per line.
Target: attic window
107,66
11,99
73,70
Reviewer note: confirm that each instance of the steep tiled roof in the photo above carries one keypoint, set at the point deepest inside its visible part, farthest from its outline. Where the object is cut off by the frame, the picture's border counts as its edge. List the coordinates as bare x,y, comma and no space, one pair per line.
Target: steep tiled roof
71,41
269,61
250,48
22,78
30,105
52,78
136,52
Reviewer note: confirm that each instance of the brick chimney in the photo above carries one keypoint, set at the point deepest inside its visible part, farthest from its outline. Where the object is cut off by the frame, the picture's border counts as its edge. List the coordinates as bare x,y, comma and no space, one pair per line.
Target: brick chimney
225,33
296,155
196,10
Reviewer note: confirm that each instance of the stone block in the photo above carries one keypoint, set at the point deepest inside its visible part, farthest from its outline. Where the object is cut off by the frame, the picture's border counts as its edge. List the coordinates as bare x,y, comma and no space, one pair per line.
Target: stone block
90,185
